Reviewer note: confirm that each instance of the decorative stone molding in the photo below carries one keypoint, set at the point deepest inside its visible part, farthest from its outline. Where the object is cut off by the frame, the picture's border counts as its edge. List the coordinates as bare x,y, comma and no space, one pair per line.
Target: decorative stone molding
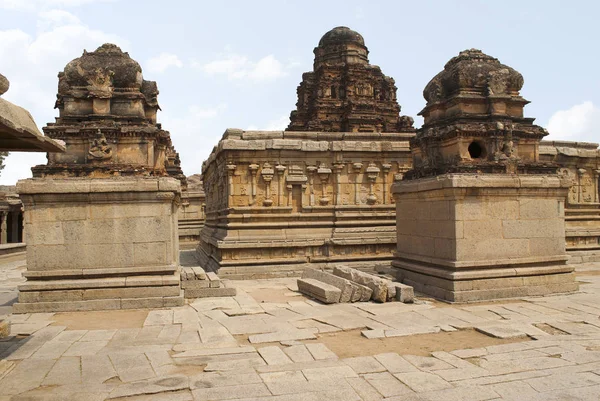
372,173
324,172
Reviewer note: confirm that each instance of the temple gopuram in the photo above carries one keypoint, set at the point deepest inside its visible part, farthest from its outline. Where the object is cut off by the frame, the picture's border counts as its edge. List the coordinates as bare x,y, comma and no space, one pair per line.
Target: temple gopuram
101,218
318,192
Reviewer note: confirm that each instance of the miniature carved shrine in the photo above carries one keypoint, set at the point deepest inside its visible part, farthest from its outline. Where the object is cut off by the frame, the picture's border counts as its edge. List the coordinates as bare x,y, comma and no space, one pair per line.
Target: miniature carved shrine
101,218
480,216
277,202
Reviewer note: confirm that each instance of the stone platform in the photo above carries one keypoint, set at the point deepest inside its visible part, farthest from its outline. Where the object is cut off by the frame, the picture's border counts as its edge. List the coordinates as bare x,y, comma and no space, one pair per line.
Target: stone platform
100,244
473,237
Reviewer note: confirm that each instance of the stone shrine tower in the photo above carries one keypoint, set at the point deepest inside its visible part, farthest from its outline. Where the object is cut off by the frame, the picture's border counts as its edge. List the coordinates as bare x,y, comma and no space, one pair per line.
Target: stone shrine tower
101,218
344,92
480,216
319,192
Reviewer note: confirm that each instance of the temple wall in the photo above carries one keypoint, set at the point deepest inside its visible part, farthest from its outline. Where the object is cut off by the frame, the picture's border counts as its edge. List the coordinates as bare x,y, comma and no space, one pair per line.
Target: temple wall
279,201
580,163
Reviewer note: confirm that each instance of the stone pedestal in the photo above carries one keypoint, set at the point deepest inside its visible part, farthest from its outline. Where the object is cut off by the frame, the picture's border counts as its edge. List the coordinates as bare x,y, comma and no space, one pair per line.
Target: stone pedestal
467,237
95,243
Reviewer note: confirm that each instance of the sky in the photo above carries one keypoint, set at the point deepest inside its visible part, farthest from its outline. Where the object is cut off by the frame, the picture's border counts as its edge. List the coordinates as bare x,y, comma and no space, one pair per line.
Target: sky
237,64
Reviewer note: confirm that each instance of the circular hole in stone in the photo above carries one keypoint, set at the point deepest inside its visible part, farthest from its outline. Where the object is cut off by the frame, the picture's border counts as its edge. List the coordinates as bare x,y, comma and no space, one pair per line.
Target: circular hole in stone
476,150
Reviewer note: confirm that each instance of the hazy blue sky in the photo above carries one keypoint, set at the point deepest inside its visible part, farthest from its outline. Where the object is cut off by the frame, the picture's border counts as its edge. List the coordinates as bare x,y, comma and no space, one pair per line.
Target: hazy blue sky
223,64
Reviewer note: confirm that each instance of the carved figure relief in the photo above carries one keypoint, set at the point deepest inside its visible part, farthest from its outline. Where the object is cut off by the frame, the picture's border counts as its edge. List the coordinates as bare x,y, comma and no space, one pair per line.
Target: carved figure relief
100,149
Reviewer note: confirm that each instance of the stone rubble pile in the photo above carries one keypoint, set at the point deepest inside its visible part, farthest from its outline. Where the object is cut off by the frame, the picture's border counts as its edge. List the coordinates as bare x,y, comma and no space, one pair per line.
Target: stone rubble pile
196,283
350,285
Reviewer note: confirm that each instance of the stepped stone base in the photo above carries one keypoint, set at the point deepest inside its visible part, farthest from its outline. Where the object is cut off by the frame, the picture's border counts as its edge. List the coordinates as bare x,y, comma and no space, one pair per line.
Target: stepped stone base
59,294
484,284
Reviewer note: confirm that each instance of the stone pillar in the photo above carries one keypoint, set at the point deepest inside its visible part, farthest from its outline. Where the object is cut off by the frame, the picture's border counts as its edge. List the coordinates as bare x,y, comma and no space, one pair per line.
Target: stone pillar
386,167
357,167
3,228
280,170
15,227
253,169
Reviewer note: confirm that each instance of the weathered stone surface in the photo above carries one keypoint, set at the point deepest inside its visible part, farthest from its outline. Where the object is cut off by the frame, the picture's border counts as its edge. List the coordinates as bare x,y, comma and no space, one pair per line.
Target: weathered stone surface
325,293
376,284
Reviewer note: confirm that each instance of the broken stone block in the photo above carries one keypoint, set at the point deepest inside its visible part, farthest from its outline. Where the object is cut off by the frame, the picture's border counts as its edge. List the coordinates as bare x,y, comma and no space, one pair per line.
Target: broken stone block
325,293
199,273
376,284
347,287
404,293
215,282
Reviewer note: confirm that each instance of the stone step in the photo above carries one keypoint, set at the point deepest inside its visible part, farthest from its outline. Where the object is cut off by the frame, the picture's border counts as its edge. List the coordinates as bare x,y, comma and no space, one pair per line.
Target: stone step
323,292
108,282
98,304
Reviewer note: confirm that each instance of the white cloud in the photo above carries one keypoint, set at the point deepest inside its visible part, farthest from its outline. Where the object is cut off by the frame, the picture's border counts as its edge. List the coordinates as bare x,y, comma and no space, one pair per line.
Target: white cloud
54,18
236,66
31,63
163,61
579,123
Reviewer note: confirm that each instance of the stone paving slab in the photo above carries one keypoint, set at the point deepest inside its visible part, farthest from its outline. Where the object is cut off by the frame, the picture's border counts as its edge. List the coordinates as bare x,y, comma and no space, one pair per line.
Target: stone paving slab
205,350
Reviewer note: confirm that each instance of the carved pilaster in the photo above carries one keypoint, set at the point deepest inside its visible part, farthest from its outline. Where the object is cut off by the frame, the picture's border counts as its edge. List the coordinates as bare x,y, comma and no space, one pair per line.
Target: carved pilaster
267,175
337,168
386,167
372,173
230,171
357,167
253,169
289,188
311,176
596,185
580,174
280,170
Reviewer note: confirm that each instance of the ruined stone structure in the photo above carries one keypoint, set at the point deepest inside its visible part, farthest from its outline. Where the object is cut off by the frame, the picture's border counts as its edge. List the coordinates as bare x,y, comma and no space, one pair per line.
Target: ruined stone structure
101,219
278,202
579,163
191,212
480,215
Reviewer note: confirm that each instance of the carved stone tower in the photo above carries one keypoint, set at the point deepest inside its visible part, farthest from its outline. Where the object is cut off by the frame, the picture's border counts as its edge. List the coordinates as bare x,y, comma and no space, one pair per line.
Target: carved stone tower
344,92
479,216
101,218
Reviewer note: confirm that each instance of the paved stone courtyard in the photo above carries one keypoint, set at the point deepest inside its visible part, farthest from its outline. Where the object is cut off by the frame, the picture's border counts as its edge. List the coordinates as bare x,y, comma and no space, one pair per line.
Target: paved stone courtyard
271,343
